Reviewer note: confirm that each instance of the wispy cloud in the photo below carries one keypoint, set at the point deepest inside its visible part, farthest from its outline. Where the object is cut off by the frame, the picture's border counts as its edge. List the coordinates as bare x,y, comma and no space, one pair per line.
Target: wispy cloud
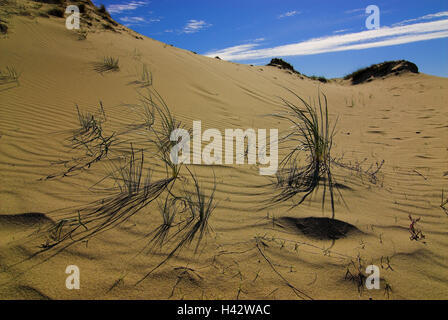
288,14
426,17
132,19
194,26
385,36
341,31
132,5
354,10
129,21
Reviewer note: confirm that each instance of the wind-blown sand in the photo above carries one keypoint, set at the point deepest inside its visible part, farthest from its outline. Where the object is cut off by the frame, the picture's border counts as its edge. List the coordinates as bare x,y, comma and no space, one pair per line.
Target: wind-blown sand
402,120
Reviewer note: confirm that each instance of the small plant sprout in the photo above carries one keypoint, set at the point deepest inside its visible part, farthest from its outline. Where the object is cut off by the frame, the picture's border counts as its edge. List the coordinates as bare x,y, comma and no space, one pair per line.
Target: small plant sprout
416,233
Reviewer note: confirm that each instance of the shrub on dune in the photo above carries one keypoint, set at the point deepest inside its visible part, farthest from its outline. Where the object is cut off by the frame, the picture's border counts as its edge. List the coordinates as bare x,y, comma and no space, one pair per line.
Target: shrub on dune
56,12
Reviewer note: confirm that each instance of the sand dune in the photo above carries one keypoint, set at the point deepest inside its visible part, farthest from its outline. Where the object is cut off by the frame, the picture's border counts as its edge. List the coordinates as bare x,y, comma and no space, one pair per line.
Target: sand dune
399,119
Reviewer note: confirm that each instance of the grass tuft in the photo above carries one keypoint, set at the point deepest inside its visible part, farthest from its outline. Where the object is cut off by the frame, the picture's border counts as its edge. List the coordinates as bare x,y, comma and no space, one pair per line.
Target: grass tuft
108,64
132,191
311,133
9,75
144,77
191,223
155,106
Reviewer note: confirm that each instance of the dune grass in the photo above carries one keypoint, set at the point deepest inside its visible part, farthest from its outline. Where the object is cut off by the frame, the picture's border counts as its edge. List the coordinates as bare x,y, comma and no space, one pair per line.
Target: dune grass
129,188
107,64
133,187
185,221
90,137
156,107
9,75
319,78
133,190
145,79
312,134
91,134
87,121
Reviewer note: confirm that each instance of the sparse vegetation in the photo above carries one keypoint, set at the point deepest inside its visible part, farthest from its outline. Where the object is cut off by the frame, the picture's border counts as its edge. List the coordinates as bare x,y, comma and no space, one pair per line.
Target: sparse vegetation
416,233
102,9
191,223
108,64
320,78
82,8
280,63
9,75
90,137
3,28
82,35
355,273
155,106
132,192
56,12
144,78
372,172
381,70
311,133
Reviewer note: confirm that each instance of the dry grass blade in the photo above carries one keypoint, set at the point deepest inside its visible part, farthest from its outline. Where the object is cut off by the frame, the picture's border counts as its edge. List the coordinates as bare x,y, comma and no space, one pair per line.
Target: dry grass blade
90,137
296,291
155,106
132,192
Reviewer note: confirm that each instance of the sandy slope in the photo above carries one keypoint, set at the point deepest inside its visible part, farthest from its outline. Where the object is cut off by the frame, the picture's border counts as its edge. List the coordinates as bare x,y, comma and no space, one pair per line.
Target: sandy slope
401,120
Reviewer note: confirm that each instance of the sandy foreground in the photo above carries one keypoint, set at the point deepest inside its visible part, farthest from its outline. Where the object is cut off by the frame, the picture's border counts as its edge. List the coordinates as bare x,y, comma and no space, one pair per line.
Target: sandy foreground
252,251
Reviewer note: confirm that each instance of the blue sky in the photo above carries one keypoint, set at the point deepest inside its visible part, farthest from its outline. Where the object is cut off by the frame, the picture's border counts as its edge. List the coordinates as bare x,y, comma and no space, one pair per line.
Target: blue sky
320,37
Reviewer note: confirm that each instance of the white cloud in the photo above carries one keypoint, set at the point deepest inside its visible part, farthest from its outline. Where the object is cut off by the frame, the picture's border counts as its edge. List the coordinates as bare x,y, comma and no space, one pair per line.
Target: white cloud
426,17
118,8
288,14
137,20
193,26
132,19
385,36
355,10
341,31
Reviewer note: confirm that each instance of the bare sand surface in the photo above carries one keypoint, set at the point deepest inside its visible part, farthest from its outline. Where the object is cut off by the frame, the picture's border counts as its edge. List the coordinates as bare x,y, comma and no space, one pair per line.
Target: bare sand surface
251,251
